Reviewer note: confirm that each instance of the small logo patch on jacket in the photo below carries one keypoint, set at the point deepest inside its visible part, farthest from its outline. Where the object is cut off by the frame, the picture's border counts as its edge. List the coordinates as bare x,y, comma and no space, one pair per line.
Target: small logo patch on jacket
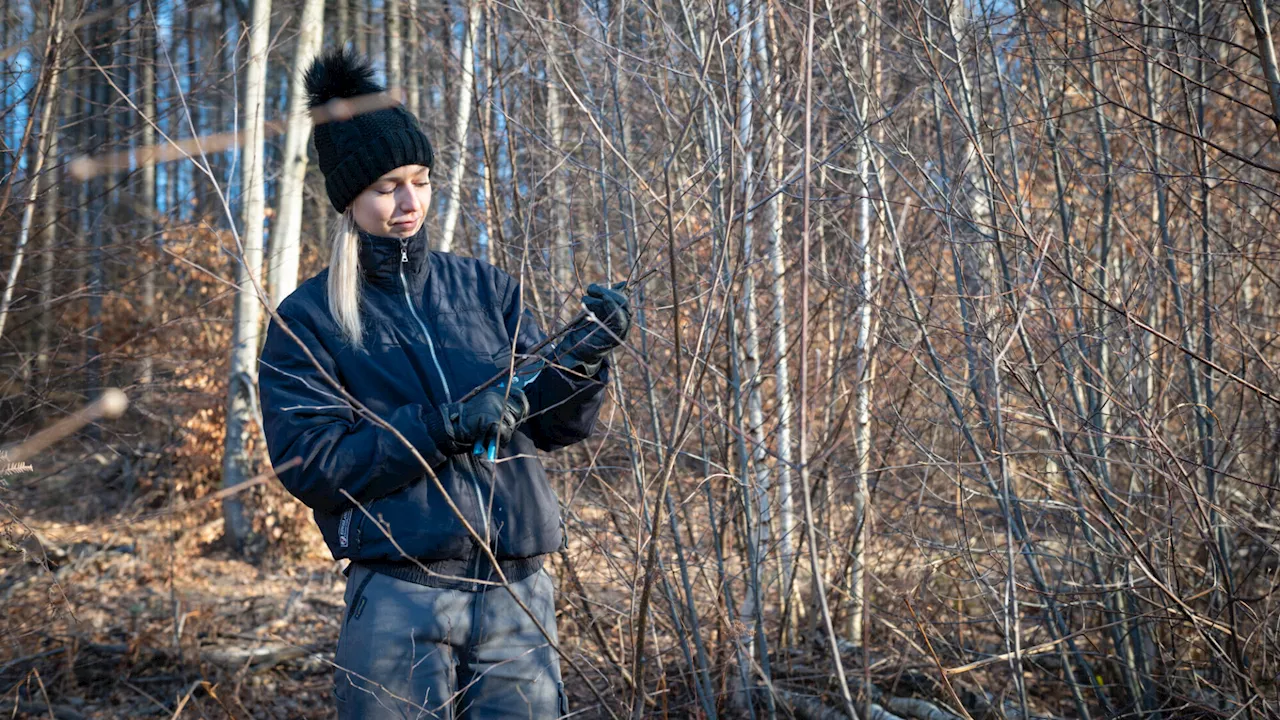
344,526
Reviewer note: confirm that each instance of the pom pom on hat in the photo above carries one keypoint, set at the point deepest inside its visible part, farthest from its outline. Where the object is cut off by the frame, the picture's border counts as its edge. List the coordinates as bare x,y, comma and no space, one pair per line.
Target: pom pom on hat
339,73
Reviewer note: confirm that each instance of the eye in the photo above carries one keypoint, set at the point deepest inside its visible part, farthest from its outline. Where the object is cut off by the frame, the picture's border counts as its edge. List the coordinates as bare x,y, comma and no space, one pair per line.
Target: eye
425,183
380,191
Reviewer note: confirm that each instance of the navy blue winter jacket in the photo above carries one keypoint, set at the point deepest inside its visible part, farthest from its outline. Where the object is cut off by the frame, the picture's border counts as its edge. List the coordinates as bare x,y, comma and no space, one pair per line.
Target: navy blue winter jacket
435,326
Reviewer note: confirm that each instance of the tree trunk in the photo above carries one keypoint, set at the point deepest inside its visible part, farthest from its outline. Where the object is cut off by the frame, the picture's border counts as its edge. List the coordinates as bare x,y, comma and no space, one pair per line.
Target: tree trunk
49,237
282,263
218,189
773,214
374,33
863,375
194,50
561,253
1266,55
811,535
413,68
750,25
462,110
146,74
241,412
90,222
343,12
53,44
395,60
8,159
359,28
486,158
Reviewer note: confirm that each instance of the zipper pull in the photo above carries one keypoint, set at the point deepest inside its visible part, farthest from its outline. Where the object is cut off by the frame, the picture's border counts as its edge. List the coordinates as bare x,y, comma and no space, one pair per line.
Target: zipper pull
404,255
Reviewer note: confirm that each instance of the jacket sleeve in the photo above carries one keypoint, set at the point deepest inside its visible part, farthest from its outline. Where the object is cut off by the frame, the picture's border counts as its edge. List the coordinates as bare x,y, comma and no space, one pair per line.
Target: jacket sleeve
304,417
563,403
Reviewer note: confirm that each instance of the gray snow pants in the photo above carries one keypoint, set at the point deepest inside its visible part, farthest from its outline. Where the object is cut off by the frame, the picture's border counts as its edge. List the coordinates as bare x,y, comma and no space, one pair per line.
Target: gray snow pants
410,651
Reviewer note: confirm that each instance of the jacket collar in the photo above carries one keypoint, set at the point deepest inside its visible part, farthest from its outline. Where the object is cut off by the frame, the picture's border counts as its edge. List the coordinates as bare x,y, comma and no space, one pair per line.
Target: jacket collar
381,258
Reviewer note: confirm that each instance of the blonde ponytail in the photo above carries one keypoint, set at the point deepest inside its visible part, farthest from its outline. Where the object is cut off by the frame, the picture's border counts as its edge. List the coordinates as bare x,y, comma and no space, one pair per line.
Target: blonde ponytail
345,278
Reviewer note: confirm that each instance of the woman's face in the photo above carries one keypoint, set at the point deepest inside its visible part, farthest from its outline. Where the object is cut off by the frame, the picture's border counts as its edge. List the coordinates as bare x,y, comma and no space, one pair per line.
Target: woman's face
396,203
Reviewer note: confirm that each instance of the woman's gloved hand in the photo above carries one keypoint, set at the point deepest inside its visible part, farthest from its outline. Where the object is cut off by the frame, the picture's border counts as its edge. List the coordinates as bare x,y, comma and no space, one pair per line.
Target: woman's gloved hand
493,413
587,342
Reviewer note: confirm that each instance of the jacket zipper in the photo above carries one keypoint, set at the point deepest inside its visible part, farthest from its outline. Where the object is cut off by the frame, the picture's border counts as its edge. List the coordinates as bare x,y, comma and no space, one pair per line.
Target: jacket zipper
404,259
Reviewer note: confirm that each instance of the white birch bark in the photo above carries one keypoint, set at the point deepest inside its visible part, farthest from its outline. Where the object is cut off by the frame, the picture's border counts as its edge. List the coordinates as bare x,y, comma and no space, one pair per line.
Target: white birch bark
413,72
782,373
747,86
863,373
750,85
466,88
561,256
241,410
282,263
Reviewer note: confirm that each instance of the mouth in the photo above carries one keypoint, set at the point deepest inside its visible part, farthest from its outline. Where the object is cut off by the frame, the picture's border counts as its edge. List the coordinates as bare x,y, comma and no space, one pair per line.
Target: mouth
403,223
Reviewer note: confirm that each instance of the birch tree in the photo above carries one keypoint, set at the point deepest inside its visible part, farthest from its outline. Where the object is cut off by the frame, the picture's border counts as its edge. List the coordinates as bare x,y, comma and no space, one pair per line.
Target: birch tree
241,410
773,222
466,89
282,264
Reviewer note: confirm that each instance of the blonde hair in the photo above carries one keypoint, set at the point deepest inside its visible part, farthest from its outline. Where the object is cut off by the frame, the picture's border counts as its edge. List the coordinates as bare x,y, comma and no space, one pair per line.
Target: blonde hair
345,278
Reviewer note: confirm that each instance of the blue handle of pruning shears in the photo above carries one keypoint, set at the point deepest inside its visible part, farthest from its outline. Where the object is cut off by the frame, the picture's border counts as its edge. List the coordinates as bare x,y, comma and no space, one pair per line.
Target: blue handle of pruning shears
519,383
492,451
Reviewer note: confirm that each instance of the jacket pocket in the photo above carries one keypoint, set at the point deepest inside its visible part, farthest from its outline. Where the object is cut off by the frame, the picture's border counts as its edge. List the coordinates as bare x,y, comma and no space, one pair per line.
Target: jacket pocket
415,521
357,601
354,607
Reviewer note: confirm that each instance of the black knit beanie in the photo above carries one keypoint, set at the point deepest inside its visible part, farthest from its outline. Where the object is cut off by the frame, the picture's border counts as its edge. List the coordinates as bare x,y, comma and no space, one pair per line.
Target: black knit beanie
354,153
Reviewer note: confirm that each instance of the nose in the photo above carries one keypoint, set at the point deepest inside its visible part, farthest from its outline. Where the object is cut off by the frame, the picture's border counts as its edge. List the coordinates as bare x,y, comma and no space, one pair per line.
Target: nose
408,201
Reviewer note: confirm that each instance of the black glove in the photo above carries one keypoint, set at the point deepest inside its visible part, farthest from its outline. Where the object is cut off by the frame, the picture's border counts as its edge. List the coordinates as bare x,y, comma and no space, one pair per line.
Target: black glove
494,412
587,342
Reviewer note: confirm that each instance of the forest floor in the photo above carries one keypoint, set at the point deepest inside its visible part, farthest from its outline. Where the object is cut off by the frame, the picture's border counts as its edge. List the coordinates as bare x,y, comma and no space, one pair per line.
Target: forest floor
147,614
121,600
142,616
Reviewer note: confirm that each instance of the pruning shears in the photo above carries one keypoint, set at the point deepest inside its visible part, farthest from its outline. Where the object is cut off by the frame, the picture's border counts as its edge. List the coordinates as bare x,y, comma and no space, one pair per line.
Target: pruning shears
520,379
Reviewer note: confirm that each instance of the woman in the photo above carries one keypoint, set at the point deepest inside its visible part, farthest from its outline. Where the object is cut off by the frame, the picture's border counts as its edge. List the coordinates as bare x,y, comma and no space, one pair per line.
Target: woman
429,630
